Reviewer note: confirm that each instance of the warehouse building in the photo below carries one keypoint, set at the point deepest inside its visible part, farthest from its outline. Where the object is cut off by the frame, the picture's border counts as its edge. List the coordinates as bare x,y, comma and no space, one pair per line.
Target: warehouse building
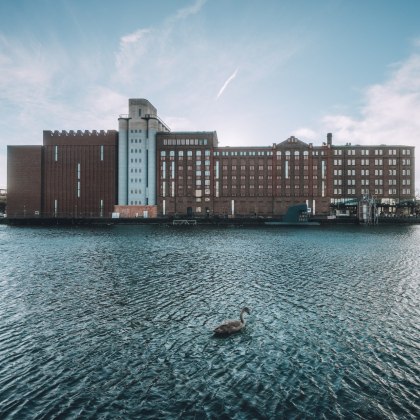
145,170
73,174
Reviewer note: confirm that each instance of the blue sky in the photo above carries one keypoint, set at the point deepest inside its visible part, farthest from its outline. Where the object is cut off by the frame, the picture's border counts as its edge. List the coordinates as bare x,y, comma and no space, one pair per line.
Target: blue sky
257,72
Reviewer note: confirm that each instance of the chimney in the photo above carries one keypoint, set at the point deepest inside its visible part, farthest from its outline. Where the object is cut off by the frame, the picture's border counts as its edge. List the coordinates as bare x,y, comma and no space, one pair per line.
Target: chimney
329,139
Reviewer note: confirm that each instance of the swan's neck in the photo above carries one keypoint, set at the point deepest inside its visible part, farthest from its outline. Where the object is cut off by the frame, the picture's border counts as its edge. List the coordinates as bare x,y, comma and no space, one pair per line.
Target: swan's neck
242,317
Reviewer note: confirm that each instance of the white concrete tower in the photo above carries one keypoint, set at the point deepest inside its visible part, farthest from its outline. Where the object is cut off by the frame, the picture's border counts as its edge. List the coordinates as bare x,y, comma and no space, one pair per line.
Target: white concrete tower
137,153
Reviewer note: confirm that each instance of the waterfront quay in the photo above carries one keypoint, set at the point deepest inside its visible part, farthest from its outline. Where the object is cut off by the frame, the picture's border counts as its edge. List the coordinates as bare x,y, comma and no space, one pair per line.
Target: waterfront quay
211,221
144,170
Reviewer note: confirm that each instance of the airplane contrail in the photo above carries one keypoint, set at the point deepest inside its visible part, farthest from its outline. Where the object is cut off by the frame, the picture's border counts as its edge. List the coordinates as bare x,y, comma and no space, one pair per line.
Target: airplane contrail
225,85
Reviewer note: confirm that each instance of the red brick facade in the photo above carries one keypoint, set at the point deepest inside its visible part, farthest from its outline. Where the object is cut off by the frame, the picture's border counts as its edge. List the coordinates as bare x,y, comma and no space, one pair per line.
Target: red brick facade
80,173
197,177
24,187
73,174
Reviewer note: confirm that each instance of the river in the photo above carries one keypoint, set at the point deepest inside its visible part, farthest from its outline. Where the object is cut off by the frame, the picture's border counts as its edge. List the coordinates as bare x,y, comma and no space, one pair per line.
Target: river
116,322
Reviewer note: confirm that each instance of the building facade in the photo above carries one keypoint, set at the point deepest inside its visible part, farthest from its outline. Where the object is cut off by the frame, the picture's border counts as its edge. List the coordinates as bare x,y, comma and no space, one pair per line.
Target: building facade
197,177
137,154
73,174
187,176
145,170
24,181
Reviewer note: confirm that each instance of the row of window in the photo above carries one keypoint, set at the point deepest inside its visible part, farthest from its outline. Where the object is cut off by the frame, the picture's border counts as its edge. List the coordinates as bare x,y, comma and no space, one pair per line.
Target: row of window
244,168
206,174
252,175
181,154
185,142
200,182
336,182
242,178
296,153
243,153
339,191
251,178
226,153
377,162
376,191
366,172
336,162
366,152
367,181
295,168
287,153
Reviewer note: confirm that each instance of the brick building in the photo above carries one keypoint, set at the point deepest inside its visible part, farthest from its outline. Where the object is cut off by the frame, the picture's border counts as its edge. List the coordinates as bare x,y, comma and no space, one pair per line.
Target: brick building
195,176
73,174
186,182
24,181
145,170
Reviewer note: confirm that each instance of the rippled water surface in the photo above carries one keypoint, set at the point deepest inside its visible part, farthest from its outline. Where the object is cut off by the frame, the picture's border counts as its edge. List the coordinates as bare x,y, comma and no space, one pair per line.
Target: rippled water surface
117,322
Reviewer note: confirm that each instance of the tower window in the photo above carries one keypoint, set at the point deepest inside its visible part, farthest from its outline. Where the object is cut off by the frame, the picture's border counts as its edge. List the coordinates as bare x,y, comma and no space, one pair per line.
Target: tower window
139,112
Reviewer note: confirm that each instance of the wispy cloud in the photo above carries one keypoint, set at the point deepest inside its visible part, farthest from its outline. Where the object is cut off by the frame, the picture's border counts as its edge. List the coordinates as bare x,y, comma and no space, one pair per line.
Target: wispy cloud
133,37
190,10
226,84
305,134
155,43
132,48
390,112
171,59
26,72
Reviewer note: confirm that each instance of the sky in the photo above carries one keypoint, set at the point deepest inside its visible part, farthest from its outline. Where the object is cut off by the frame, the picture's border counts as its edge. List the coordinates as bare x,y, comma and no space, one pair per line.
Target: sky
257,72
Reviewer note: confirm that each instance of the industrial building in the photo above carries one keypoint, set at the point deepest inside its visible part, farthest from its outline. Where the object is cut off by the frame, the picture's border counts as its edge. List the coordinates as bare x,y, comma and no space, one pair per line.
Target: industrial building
197,176
145,170
73,174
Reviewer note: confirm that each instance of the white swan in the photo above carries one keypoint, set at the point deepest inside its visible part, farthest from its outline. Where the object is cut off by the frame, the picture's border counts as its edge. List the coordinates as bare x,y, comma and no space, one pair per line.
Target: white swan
230,327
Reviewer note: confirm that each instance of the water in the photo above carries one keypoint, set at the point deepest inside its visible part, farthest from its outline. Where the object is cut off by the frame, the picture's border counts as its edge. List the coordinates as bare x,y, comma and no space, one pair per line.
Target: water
117,322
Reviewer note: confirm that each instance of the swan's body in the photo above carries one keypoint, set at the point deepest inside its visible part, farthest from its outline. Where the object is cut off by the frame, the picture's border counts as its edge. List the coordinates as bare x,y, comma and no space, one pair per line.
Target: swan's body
230,327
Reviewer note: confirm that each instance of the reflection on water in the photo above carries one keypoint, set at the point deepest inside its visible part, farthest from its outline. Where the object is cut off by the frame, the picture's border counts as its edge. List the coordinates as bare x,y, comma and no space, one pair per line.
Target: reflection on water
118,322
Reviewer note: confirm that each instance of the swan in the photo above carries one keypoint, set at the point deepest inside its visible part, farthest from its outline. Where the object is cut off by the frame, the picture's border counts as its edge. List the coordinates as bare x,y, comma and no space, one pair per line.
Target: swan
232,326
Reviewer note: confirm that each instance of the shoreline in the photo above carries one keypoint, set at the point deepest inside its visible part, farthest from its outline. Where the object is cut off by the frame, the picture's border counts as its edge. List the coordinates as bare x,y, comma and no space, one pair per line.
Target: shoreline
193,222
